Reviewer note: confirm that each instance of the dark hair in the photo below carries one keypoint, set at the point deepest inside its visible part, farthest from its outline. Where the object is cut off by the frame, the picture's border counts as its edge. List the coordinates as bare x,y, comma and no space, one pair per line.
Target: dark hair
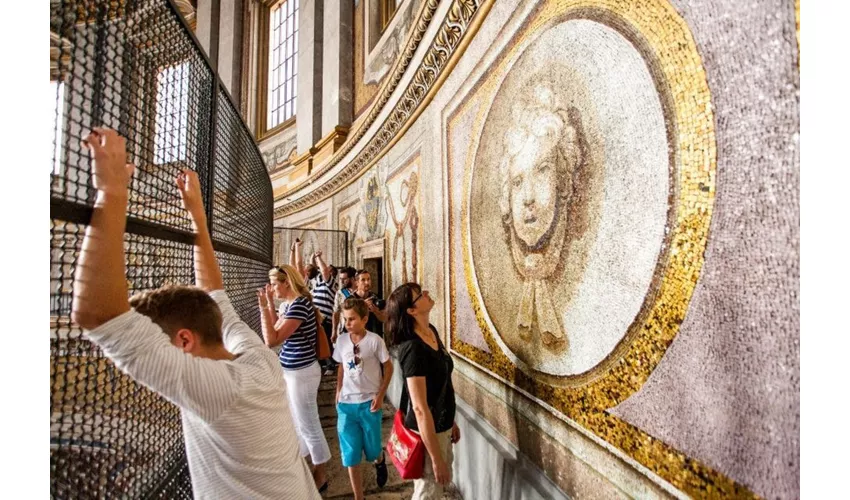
348,270
175,307
357,305
362,271
400,324
312,271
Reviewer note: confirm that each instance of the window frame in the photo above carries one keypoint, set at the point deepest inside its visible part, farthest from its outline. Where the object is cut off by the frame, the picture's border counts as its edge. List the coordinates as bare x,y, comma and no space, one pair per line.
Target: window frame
60,125
182,146
385,15
263,53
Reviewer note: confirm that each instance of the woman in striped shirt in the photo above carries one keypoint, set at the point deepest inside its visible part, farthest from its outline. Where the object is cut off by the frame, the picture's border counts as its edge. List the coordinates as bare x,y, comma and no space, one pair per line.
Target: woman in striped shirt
296,329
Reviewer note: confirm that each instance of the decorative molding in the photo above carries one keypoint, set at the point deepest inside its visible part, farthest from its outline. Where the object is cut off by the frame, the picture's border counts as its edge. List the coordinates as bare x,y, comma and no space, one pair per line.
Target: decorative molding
329,144
307,157
378,57
339,133
454,29
281,156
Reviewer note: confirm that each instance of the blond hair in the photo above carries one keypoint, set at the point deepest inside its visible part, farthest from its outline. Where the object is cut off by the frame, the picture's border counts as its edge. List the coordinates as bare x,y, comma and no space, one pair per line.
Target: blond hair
289,273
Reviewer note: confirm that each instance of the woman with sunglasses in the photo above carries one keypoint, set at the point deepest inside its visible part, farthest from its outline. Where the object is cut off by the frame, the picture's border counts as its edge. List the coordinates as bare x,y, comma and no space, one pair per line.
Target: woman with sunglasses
427,370
296,328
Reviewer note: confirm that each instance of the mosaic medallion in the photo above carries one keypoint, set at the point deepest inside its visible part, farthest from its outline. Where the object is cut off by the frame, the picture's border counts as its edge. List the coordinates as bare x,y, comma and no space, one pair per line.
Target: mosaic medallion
567,199
581,168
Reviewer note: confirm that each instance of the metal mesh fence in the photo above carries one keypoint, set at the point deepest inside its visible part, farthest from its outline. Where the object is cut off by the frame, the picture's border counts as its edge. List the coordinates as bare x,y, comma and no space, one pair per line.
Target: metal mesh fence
136,67
333,244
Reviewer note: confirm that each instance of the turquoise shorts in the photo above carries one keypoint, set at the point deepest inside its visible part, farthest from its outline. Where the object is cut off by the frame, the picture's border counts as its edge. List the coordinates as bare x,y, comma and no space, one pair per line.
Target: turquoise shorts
359,432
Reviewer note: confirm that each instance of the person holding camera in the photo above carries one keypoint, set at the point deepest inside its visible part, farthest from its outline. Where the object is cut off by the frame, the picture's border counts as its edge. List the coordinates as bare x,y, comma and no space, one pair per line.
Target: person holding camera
375,304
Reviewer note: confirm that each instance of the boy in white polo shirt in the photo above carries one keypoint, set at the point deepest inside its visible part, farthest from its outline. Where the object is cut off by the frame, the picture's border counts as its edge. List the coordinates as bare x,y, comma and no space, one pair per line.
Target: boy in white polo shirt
360,390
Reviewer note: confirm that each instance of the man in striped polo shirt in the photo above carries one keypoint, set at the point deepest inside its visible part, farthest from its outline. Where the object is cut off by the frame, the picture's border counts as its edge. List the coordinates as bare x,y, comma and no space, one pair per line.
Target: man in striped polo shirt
189,345
324,290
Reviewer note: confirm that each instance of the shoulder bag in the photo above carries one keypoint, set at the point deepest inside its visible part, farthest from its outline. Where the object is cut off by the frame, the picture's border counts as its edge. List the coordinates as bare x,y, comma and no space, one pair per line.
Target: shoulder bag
405,447
323,349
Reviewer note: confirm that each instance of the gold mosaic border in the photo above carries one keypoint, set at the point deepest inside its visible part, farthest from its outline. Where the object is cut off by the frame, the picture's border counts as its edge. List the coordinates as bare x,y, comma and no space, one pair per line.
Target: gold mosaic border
797,23
459,26
654,26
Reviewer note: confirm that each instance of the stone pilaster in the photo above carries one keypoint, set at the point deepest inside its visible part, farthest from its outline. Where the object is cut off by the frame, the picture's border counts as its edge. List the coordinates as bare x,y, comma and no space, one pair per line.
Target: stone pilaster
230,46
338,66
310,52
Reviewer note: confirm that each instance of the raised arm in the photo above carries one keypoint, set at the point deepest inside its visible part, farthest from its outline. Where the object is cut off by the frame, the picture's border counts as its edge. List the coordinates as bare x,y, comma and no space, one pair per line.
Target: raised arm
100,286
236,334
299,259
325,269
275,334
136,345
207,270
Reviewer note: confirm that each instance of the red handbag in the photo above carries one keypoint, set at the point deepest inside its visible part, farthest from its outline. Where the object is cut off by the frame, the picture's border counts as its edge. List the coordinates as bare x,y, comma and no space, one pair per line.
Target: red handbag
404,446
406,449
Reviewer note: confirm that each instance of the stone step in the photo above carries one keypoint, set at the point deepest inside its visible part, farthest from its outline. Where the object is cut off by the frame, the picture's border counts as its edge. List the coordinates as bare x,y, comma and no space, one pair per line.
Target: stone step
338,483
403,491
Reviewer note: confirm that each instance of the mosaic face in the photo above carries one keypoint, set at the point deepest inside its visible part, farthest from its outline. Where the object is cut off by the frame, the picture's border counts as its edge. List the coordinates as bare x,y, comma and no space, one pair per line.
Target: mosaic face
567,198
532,177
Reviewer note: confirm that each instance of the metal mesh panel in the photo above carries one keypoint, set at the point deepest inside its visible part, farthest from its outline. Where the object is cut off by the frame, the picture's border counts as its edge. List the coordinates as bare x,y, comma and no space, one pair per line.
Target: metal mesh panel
130,67
108,435
134,66
333,244
240,215
242,278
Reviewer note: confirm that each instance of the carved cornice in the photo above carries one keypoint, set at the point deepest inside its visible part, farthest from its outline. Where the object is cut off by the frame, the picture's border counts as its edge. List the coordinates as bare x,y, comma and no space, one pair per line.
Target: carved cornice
454,28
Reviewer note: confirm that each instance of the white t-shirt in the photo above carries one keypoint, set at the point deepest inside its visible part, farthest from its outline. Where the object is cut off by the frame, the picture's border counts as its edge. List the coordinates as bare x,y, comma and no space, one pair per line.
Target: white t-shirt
239,435
362,380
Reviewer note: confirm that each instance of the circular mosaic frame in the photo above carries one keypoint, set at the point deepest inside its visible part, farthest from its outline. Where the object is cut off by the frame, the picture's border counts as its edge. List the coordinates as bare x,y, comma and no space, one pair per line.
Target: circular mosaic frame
665,42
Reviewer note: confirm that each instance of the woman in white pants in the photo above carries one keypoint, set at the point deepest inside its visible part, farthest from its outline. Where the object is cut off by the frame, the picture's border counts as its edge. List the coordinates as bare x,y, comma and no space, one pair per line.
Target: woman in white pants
296,328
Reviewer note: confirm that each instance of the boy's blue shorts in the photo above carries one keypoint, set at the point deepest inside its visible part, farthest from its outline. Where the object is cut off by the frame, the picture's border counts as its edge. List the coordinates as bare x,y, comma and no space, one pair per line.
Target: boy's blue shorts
359,432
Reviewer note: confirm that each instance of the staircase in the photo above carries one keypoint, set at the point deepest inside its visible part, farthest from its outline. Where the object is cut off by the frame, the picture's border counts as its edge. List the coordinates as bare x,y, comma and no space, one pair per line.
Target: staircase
339,486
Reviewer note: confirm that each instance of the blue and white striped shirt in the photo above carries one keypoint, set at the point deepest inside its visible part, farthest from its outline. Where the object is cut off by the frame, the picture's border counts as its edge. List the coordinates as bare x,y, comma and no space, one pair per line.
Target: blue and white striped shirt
299,350
323,295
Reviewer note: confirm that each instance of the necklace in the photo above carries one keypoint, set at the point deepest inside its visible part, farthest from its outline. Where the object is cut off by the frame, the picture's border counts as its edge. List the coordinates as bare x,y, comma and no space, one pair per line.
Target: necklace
430,339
